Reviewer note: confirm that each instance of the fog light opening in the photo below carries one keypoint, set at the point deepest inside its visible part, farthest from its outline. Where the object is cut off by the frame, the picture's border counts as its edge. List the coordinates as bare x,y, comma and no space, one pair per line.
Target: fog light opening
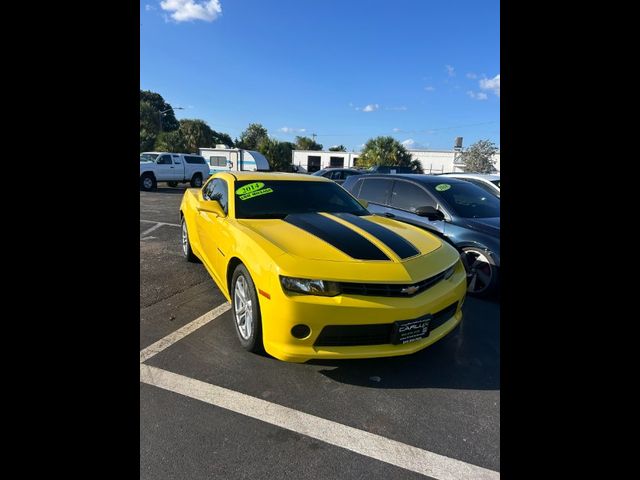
301,331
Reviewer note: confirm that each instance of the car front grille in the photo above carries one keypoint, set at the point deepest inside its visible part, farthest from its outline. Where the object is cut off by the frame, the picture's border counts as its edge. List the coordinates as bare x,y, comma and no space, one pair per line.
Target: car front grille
389,289
372,334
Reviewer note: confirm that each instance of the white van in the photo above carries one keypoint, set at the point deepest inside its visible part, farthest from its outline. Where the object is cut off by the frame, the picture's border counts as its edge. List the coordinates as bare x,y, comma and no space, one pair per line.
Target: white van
225,159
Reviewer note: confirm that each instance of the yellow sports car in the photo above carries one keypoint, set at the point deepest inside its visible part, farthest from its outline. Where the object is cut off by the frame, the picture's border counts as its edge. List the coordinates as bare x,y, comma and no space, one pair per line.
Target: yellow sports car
310,273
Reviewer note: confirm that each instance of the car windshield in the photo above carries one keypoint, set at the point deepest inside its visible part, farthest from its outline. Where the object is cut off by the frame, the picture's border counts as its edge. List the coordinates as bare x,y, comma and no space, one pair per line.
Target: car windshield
278,198
466,200
319,172
496,183
148,157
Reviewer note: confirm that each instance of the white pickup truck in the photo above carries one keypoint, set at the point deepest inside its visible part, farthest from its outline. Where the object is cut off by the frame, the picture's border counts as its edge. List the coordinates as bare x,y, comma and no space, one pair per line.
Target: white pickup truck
172,168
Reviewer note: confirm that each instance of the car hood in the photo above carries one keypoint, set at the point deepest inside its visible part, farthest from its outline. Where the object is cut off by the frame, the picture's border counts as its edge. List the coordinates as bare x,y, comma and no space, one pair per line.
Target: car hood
343,246
490,226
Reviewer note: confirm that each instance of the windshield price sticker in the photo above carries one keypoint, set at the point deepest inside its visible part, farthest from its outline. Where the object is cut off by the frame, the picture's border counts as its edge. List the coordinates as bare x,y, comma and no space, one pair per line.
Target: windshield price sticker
252,190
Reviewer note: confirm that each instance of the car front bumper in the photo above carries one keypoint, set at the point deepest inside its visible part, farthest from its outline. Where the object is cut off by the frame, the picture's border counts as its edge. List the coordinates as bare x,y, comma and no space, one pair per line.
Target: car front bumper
283,311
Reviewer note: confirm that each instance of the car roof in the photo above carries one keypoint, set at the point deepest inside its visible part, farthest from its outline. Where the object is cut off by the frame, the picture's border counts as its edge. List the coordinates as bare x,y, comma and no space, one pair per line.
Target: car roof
420,177
242,176
482,176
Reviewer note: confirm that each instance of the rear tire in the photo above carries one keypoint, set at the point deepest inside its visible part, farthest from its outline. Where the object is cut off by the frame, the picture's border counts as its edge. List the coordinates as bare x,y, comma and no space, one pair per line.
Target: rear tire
148,182
172,184
196,180
482,271
245,310
186,244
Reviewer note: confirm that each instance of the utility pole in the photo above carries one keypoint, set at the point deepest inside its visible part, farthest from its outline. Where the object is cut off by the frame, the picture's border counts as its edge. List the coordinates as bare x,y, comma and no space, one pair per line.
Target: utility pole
161,114
314,136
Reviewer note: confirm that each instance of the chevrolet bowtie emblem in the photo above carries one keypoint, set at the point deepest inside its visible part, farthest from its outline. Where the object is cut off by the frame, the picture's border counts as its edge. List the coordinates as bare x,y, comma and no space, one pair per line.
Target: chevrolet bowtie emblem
409,290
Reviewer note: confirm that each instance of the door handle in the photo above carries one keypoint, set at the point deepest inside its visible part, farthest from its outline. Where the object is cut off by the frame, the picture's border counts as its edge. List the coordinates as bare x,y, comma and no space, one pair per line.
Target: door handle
389,215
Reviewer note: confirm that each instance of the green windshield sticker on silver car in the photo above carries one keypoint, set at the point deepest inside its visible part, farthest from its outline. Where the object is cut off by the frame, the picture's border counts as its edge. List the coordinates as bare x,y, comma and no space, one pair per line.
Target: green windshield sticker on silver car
250,188
442,187
255,193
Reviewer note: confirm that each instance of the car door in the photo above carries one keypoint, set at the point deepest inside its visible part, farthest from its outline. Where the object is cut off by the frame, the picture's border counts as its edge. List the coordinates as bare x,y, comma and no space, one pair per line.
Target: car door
405,197
165,168
178,167
212,231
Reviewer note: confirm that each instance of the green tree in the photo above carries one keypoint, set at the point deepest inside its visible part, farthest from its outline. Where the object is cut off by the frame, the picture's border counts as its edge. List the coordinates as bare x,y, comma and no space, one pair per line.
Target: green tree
169,121
222,138
196,134
278,153
148,126
478,158
170,142
306,143
252,136
387,151
338,148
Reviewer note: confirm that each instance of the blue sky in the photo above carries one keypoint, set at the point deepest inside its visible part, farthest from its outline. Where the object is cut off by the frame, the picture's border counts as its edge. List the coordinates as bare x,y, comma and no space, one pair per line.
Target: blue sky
422,71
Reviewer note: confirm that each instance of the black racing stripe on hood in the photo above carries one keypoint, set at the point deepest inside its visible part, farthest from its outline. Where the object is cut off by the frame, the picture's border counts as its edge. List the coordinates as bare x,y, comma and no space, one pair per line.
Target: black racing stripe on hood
403,248
336,234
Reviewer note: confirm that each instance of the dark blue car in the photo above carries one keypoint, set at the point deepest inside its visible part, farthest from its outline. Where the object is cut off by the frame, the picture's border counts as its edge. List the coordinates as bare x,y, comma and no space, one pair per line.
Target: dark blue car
459,211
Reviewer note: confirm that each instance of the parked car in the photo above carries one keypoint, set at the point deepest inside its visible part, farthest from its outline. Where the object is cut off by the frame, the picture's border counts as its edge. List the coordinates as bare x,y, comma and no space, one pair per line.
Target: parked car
461,212
490,182
303,284
172,168
338,175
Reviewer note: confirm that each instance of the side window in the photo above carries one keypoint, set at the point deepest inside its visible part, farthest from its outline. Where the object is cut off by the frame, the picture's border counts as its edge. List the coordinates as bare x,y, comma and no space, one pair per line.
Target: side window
375,190
219,192
407,196
208,189
355,190
177,160
164,160
337,175
218,161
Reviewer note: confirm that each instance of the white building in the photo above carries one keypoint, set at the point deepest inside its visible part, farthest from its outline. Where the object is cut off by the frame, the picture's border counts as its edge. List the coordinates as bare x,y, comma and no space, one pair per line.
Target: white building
432,161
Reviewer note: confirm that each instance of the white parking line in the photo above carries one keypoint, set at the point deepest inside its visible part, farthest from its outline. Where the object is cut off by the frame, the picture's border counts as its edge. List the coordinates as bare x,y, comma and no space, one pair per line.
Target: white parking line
149,230
160,223
359,441
182,332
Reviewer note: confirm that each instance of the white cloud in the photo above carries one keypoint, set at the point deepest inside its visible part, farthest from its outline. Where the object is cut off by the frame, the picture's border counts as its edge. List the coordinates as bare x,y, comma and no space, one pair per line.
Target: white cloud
472,75
148,7
450,70
189,10
409,143
491,84
397,109
477,95
372,107
292,130
396,130
429,88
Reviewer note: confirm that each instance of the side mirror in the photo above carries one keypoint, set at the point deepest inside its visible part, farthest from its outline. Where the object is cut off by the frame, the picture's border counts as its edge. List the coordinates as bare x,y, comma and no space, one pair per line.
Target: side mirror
430,212
363,202
211,206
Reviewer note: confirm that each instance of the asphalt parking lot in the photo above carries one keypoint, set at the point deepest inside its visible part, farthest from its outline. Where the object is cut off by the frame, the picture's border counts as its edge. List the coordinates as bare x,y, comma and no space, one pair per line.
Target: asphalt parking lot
209,409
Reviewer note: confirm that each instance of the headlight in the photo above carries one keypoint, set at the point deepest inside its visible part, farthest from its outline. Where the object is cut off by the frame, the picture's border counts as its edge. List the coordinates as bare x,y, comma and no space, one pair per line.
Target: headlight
310,287
449,271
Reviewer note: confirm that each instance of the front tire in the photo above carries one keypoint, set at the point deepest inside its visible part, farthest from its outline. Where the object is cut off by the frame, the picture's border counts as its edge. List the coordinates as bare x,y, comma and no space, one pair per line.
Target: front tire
148,182
482,271
186,244
196,180
245,310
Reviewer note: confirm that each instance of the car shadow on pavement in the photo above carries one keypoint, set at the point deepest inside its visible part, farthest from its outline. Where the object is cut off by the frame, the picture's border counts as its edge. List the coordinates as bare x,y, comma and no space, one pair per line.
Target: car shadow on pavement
169,190
467,358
